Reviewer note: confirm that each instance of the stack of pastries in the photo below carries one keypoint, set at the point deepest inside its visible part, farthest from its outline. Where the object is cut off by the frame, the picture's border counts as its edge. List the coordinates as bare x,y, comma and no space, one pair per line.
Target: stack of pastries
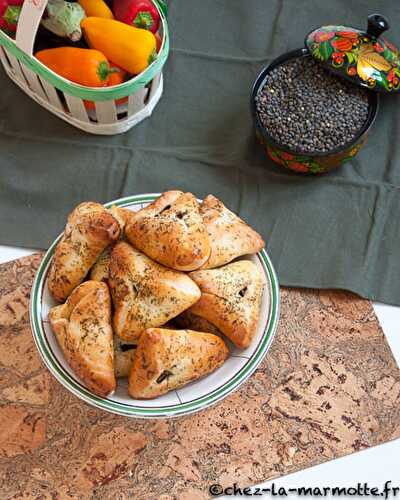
150,295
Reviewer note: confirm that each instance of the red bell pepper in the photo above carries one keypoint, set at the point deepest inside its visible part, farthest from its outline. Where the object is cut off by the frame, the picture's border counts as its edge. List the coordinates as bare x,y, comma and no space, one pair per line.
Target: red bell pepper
138,13
9,14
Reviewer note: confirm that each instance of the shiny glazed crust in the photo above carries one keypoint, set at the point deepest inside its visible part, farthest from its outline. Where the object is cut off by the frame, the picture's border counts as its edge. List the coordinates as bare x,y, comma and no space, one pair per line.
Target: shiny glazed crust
171,231
168,359
145,294
231,299
83,329
230,236
90,229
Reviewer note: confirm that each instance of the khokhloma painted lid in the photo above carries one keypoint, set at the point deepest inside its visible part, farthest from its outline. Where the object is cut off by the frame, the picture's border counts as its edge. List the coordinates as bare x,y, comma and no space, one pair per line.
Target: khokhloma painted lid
363,57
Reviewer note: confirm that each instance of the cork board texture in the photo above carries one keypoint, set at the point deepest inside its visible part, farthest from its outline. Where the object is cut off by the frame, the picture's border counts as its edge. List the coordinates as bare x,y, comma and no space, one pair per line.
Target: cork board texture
328,387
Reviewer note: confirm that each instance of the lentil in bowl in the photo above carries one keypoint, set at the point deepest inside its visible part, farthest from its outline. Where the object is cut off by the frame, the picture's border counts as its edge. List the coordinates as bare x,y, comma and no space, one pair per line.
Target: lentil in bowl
308,120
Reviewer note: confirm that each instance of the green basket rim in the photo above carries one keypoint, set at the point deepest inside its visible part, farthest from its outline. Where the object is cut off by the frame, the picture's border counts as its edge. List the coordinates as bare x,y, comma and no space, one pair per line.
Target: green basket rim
152,412
90,93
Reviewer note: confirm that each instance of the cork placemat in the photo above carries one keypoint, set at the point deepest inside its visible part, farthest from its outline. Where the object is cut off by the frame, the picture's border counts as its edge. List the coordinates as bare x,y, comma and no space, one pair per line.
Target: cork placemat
328,387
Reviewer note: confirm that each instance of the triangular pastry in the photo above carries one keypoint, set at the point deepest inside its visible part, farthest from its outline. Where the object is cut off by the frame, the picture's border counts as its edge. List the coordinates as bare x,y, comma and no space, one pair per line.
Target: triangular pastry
89,230
83,329
168,359
124,354
231,299
230,236
171,231
145,294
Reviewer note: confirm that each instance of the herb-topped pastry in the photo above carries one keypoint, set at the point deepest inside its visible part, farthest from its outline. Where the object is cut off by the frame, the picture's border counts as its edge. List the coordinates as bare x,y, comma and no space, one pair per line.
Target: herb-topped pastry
90,229
171,231
230,236
231,299
145,294
168,359
83,329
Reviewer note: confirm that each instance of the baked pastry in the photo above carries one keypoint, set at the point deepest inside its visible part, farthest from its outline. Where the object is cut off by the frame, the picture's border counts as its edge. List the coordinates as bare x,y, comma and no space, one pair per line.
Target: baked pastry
101,267
123,357
189,320
230,236
171,231
168,359
145,294
122,215
231,299
83,329
124,354
90,229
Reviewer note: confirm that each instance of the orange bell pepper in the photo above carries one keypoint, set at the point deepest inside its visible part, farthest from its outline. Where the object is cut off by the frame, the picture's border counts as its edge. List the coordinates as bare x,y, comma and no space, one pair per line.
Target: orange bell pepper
84,66
116,78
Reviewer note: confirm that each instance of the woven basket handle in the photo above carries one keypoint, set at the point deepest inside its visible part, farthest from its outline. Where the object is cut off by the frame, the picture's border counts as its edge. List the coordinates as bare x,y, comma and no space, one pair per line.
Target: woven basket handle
28,24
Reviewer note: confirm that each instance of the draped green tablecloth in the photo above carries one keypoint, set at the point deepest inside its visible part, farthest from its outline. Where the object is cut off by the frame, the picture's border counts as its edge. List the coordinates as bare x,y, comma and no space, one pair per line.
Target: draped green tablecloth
340,230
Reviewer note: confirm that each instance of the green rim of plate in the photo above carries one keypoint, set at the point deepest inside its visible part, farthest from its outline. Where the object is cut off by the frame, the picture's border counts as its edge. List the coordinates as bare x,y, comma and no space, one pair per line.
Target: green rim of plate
135,411
95,94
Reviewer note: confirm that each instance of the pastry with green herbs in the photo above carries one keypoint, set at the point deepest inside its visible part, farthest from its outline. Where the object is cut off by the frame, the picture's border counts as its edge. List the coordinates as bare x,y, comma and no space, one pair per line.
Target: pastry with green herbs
83,330
168,359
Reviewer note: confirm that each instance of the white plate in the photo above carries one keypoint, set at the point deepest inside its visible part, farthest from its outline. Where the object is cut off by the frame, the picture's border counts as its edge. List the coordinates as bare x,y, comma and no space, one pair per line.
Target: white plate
193,397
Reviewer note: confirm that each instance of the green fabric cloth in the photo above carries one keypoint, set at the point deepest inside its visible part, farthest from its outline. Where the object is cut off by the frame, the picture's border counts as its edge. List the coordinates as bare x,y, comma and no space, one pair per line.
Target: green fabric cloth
340,230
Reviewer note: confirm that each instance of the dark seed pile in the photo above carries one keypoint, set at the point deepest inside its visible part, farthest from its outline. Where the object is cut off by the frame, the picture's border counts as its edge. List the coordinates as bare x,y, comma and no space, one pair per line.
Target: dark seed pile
306,109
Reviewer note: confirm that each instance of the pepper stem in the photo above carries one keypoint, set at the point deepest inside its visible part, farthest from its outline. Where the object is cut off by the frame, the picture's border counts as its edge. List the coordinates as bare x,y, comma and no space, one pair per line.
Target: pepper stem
143,20
104,71
11,14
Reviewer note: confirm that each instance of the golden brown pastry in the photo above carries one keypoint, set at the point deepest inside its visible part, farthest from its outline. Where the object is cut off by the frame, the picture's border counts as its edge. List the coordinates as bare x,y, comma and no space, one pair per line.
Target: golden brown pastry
122,215
123,357
145,294
83,329
191,321
171,231
231,299
90,229
168,359
230,236
101,267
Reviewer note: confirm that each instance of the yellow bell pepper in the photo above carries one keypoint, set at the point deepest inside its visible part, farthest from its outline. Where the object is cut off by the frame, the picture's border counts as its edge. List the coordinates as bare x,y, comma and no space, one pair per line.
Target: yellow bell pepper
133,49
96,8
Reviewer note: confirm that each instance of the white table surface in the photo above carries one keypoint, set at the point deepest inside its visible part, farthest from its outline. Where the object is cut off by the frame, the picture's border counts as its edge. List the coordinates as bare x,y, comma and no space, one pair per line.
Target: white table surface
374,466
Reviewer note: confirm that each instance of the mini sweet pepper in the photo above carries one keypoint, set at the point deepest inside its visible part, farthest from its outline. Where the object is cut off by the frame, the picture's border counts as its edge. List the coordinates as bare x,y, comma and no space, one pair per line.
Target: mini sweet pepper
132,49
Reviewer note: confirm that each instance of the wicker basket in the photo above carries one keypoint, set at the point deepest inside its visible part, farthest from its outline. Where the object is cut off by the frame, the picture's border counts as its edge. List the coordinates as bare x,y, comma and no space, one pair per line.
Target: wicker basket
64,98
